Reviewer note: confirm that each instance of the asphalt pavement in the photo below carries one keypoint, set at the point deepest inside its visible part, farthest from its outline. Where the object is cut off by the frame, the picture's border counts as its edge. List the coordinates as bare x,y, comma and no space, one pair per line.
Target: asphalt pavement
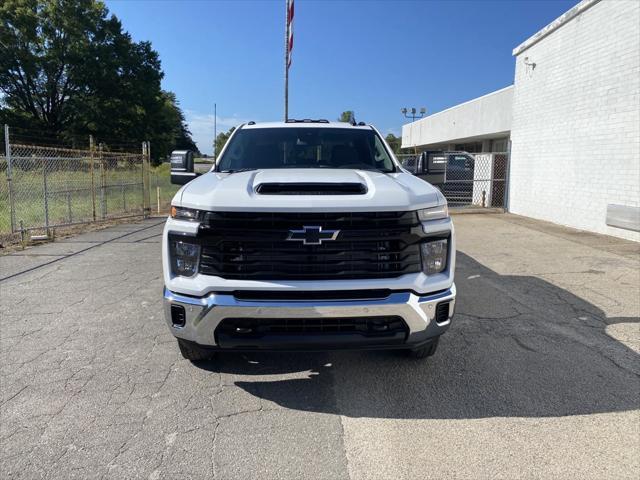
538,377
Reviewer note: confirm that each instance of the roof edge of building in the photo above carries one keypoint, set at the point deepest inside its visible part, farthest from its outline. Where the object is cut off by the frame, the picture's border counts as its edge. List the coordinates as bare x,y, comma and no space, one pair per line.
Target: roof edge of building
508,87
474,138
566,17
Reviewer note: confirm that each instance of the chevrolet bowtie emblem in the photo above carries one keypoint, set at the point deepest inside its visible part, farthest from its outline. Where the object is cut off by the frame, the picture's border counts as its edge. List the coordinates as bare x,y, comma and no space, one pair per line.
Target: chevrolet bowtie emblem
312,235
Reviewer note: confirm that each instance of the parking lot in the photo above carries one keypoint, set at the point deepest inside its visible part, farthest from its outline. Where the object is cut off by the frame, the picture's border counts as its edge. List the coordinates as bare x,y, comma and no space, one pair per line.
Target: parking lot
538,377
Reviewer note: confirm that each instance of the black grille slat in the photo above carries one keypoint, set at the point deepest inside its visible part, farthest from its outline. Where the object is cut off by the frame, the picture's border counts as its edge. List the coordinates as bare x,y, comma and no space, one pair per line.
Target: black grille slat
304,275
255,328
369,266
308,258
309,262
289,248
245,245
306,295
281,220
275,234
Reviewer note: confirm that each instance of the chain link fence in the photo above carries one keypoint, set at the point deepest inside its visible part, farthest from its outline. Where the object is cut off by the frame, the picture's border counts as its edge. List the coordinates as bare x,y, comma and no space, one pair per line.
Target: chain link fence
162,190
470,180
43,187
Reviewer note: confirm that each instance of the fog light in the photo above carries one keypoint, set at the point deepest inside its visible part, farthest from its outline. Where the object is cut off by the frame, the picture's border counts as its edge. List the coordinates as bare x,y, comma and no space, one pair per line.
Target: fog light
178,316
185,258
434,256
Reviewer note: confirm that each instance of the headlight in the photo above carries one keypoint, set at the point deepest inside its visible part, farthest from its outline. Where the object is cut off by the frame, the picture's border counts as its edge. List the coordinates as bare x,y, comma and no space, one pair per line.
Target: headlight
434,213
182,213
184,258
434,256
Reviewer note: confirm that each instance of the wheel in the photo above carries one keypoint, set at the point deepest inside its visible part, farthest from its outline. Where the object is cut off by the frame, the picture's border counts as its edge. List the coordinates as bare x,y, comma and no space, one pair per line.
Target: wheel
426,351
193,352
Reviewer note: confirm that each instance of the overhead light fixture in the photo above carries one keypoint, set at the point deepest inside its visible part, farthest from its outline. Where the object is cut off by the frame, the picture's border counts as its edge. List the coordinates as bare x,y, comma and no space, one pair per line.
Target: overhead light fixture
529,63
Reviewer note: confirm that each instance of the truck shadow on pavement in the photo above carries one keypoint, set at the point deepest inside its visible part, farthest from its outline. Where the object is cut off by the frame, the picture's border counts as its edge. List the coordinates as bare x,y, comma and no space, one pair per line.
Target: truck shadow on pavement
518,347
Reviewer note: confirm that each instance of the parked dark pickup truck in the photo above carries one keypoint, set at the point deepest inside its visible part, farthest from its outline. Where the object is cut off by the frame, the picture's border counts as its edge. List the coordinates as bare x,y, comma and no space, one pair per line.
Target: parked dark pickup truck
451,172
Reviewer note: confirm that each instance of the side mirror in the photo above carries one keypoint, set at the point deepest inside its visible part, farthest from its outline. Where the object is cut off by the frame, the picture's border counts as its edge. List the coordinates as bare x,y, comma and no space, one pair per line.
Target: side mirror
421,160
182,167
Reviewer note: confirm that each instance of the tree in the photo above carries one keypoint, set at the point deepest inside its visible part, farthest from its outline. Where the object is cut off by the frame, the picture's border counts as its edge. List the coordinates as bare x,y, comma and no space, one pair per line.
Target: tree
67,68
171,131
221,140
43,46
183,140
347,116
394,142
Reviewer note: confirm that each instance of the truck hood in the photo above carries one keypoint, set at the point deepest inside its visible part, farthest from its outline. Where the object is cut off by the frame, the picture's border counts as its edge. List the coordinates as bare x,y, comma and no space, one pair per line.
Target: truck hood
399,191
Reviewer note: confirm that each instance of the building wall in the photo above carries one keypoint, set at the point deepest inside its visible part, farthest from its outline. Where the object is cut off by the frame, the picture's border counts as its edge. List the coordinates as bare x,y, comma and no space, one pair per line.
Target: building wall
483,116
576,118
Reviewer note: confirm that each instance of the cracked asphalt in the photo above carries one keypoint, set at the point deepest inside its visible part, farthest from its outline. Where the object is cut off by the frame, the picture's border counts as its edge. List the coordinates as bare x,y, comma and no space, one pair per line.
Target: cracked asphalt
538,377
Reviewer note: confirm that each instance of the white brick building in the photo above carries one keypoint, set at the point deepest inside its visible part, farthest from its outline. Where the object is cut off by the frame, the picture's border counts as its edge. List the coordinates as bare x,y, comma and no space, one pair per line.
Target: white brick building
574,121
575,137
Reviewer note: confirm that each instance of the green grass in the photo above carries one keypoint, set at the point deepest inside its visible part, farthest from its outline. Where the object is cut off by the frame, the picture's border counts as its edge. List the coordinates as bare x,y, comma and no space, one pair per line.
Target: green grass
160,176
70,197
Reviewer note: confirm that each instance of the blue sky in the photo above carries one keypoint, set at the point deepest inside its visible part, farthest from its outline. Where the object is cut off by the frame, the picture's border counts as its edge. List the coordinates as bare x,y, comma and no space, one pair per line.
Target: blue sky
373,57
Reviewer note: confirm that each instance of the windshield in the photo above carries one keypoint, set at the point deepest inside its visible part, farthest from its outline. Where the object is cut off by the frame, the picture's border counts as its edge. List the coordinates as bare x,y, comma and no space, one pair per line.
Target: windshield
291,147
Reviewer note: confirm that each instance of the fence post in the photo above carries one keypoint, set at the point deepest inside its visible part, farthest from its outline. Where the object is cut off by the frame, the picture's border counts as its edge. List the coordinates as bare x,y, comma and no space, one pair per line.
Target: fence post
507,177
69,207
144,155
92,148
7,150
146,194
46,196
103,200
22,239
147,179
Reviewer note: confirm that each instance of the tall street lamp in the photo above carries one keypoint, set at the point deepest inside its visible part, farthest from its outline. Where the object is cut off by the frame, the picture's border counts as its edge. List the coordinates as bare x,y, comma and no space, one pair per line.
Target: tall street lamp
413,114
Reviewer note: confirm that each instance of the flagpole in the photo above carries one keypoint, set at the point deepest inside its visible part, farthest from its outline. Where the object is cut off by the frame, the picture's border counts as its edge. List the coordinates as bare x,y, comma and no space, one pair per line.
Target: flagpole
286,60
215,130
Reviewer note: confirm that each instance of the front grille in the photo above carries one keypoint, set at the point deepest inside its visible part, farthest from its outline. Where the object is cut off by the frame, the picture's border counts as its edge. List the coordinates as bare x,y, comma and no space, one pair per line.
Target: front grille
254,246
256,328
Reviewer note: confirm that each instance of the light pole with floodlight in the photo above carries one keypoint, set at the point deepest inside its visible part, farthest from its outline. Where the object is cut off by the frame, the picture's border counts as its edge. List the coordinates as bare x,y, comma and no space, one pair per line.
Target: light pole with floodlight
413,114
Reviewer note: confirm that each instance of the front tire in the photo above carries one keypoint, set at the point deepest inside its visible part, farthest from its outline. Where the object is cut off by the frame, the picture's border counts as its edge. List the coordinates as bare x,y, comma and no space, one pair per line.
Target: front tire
193,352
426,351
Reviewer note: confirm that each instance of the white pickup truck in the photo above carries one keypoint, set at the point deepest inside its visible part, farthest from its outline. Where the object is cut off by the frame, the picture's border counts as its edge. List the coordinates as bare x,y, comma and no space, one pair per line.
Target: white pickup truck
306,235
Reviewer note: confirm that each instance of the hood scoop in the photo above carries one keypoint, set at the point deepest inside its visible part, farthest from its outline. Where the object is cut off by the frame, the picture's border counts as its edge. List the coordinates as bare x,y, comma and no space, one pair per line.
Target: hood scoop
307,188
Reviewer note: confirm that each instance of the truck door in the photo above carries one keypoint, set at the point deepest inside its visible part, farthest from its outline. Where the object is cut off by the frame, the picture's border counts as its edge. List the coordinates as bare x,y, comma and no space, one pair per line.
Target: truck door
433,167
458,187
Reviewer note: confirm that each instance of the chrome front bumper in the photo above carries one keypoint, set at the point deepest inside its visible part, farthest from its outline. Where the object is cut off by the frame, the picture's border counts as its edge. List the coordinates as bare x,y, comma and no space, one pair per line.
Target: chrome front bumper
203,314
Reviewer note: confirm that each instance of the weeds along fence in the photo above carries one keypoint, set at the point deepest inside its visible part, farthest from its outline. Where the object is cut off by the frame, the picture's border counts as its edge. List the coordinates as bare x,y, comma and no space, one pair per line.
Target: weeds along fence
45,187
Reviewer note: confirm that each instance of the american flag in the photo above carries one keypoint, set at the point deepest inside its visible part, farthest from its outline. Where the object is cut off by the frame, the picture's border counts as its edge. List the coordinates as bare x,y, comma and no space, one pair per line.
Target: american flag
289,31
